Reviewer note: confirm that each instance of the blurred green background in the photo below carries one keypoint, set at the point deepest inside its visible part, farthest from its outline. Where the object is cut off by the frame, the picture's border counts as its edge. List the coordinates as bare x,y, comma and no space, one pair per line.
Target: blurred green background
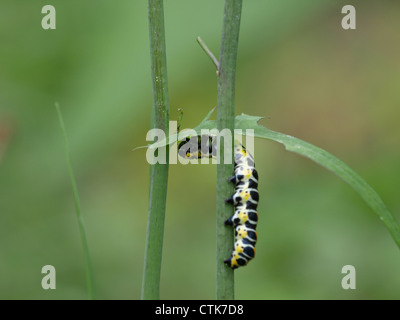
296,67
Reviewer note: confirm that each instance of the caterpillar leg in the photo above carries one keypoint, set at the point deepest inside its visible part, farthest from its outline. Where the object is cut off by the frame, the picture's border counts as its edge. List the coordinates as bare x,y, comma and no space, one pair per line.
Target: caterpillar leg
229,222
230,263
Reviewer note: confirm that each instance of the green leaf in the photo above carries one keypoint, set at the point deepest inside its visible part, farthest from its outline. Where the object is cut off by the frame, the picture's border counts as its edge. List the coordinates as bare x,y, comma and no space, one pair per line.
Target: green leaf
318,155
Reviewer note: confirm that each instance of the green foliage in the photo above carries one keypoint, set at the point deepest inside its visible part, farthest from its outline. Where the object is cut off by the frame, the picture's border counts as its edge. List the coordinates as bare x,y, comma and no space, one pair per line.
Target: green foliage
81,222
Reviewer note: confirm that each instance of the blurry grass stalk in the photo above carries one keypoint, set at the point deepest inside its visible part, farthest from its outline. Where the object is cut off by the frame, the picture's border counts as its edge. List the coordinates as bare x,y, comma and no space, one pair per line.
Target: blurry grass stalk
82,229
226,120
208,52
158,172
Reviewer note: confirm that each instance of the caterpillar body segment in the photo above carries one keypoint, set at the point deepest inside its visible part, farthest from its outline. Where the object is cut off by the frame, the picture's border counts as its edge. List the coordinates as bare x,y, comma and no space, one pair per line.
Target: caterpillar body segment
243,232
241,255
243,216
244,175
244,194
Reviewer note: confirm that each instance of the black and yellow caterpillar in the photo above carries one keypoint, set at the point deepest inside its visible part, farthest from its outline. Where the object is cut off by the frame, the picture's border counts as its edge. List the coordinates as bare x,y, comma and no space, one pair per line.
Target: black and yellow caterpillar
245,199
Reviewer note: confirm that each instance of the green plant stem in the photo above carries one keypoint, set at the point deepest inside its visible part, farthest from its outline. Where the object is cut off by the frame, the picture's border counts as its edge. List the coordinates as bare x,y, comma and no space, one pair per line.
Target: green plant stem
208,51
158,172
82,229
226,120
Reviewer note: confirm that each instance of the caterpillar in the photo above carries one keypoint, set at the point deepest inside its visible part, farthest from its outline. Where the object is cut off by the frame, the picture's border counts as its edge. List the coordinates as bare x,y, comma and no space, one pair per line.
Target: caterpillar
245,198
